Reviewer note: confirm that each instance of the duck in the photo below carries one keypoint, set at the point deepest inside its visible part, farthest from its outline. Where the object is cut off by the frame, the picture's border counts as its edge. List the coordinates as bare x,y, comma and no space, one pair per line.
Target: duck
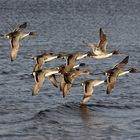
115,72
72,57
40,76
89,86
62,70
15,37
43,58
65,69
99,50
120,73
70,76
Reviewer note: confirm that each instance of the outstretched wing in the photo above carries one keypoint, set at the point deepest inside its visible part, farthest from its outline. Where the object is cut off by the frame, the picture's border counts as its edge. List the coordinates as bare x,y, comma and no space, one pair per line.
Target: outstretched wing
14,48
62,82
67,77
37,87
21,27
71,59
66,88
53,80
111,80
122,63
103,41
88,91
110,87
93,46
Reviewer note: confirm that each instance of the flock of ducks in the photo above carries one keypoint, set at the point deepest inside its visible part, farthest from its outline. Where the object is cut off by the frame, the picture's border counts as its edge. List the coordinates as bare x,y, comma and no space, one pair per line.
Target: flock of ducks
70,70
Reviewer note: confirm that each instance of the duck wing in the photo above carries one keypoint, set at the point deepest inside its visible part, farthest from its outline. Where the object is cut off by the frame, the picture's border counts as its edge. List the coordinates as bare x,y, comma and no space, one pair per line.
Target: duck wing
111,79
66,88
122,63
37,86
88,91
14,48
21,27
103,41
62,82
53,80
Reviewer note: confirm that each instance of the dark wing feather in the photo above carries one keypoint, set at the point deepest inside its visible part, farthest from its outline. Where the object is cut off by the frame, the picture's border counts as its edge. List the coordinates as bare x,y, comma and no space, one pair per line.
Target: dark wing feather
122,63
62,83
103,41
71,59
53,80
67,78
111,80
21,27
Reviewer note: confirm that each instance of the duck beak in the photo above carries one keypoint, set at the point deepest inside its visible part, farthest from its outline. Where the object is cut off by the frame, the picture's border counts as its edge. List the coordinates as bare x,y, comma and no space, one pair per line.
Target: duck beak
2,36
5,36
91,72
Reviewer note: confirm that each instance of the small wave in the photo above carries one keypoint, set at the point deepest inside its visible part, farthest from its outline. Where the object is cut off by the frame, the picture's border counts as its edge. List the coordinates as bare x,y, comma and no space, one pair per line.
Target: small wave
61,109
135,124
68,110
5,72
137,121
43,113
74,108
12,136
25,76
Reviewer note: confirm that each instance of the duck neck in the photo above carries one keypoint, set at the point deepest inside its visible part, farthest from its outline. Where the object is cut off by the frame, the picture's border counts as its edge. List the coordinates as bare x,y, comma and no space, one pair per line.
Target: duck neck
101,82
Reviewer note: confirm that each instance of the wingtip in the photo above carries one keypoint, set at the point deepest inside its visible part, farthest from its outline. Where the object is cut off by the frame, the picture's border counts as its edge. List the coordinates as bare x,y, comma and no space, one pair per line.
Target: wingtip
23,25
127,57
100,32
12,59
34,93
64,95
107,92
56,86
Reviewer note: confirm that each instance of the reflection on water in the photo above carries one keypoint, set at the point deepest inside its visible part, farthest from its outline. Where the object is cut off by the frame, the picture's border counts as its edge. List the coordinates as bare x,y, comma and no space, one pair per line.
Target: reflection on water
84,114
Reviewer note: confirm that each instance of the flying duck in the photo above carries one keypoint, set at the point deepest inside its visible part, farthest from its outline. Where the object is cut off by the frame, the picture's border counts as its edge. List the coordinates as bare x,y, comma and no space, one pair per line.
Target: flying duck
15,38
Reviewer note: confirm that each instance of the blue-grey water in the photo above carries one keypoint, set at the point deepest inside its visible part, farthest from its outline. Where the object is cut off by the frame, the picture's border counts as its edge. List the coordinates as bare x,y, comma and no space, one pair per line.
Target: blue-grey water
61,26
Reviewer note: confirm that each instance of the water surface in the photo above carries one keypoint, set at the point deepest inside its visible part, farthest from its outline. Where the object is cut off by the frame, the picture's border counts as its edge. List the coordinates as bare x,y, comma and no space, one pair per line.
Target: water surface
61,25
